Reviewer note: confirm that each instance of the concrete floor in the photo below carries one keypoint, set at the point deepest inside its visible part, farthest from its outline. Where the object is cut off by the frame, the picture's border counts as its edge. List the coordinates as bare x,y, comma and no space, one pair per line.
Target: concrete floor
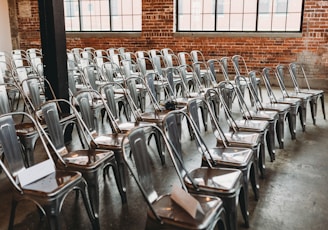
292,195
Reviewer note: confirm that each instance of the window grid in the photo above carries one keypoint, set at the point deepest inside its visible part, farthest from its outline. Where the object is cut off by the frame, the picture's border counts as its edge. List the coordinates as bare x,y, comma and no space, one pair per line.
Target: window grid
241,16
103,15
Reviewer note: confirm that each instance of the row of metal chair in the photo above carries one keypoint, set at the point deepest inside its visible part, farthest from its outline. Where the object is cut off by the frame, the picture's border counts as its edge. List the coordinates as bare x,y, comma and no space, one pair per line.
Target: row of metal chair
88,100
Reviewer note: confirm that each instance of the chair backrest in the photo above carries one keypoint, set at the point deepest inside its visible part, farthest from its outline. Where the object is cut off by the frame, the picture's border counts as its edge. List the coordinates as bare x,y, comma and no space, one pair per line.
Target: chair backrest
4,102
10,145
83,99
280,76
51,116
297,71
192,107
242,103
108,90
138,145
266,75
93,74
156,61
173,136
225,67
239,65
253,92
108,71
197,56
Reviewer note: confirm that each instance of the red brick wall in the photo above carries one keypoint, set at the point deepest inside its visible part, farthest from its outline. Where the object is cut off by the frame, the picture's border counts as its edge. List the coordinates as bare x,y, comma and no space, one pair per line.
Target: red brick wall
157,32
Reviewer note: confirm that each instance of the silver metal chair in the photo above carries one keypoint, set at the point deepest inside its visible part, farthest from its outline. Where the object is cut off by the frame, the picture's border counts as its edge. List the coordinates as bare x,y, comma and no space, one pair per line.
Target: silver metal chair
295,103
282,109
225,183
41,183
164,213
297,72
262,115
246,124
89,161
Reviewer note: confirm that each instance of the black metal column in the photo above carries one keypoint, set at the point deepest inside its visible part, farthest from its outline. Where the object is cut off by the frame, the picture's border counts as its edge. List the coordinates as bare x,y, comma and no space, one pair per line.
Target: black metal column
53,40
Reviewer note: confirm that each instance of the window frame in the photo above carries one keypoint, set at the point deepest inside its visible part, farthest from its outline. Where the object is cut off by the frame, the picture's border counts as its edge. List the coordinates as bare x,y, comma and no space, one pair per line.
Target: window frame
255,31
110,15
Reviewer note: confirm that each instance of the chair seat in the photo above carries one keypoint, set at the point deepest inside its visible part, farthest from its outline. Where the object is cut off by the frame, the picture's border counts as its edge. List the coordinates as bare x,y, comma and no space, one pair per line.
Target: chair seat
87,158
154,117
276,107
236,157
242,139
127,126
109,141
311,91
216,180
252,125
263,115
50,185
302,95
172,214
25,129
289,100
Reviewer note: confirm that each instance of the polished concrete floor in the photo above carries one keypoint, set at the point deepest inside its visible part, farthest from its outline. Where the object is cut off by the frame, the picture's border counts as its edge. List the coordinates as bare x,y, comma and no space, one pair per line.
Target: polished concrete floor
293,194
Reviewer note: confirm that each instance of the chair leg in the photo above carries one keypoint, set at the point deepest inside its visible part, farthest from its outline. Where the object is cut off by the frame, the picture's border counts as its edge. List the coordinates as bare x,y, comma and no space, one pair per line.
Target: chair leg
53,217
280,130
313,107
292,122
270,140
254,182
121,172
243,200
94,219
12,214
230,205
118,180
93,190
261,162
323,106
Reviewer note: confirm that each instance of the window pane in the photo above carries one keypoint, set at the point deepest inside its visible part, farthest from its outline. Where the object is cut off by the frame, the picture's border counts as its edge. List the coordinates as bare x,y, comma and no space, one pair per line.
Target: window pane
249,22
278,22
236,22
223,22
184,22
293,22
264,22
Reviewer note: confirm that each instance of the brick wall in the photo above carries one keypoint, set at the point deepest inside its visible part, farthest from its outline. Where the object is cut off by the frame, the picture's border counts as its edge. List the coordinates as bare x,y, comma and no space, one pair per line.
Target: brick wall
267,51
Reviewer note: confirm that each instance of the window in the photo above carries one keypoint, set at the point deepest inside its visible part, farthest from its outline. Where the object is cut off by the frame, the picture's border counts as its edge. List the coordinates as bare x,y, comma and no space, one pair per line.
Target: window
239,15
102,15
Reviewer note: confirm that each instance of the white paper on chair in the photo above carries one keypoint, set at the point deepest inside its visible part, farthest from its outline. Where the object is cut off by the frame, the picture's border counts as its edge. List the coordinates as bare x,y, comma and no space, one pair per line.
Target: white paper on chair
36,172
186,201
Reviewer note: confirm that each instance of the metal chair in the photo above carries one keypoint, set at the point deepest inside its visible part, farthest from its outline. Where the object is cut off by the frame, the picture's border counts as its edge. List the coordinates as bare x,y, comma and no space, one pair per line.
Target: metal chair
243,140
295,103
225,183
164,212
262,115
282,109
90,162
305,97
246,124
41,183
297,72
